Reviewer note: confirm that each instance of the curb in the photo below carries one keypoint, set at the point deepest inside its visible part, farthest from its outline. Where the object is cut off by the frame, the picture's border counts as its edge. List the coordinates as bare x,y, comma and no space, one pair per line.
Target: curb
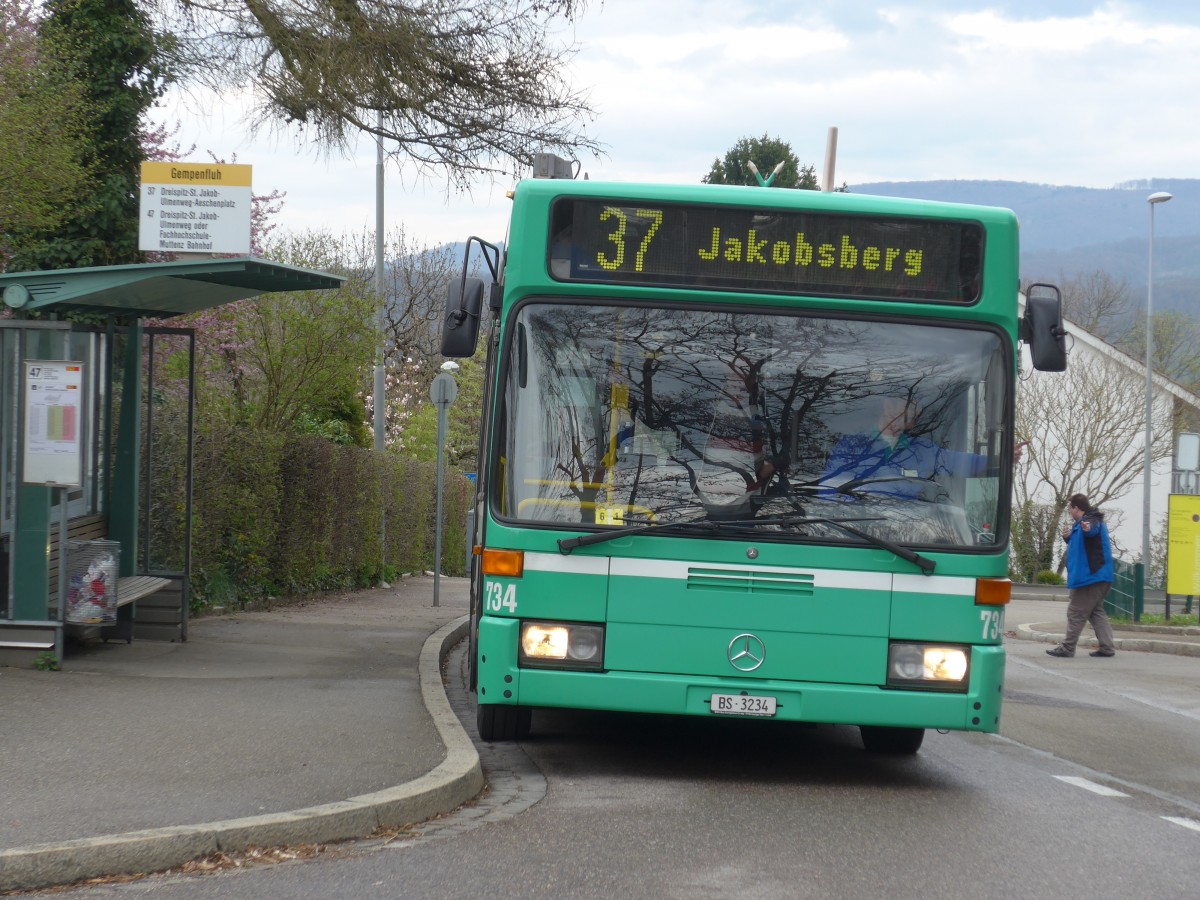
1145,645
458,778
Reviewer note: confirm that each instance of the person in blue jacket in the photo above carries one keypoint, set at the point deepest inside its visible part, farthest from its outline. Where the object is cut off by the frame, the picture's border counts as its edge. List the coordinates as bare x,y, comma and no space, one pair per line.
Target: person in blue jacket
1089,577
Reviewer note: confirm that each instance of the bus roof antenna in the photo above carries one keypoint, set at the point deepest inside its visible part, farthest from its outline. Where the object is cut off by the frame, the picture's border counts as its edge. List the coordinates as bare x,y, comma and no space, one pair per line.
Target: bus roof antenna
765,182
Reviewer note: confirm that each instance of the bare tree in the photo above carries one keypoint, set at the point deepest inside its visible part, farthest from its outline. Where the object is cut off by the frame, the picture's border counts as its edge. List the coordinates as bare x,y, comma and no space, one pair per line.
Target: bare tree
1101,304
1176,335
1085,429
458,86
415,281
415,285
1097,302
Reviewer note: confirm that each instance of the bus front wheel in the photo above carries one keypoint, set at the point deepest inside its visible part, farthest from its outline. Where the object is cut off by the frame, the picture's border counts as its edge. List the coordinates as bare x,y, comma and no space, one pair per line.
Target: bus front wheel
497,722
893,741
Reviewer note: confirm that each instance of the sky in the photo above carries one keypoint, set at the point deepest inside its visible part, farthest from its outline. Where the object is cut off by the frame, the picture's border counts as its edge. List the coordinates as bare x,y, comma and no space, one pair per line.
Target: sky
1061,92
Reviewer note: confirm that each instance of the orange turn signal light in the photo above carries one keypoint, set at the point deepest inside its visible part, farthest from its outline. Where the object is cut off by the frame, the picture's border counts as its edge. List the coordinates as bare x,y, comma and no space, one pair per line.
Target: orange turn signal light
992,591
508,563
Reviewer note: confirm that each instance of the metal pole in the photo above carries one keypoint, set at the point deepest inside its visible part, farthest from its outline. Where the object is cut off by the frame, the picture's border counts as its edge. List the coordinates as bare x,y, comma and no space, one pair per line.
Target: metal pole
380,390
437,534
830,159
380,386
1153,199
442,392
63,516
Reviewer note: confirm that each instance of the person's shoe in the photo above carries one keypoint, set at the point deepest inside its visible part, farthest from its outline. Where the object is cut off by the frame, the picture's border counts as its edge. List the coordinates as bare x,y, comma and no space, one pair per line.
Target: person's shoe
1105,653
1060,652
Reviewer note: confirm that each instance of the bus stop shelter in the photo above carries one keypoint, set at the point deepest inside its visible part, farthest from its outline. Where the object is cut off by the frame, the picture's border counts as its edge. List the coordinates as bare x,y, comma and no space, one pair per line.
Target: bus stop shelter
112,320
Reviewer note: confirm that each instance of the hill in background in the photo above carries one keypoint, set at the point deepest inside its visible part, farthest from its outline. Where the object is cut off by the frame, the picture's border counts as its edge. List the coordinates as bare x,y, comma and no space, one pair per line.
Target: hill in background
1069,231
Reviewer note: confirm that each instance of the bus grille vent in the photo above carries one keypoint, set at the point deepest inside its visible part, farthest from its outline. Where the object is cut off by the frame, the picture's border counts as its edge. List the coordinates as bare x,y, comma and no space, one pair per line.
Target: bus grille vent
750,581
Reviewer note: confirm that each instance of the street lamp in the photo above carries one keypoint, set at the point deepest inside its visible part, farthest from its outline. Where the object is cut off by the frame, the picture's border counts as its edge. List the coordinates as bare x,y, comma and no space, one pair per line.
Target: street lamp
1154,199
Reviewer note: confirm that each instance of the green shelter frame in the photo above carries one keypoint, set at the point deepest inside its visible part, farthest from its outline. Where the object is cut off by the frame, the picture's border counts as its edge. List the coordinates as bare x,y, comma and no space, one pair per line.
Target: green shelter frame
46,311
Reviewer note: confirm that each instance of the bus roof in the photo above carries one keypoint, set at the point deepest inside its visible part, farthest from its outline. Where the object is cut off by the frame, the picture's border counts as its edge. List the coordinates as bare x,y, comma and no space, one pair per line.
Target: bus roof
546,189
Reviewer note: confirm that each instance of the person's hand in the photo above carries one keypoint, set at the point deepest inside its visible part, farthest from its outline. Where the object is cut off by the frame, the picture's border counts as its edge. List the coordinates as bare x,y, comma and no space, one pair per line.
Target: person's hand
1018,450
1085,525
1066,531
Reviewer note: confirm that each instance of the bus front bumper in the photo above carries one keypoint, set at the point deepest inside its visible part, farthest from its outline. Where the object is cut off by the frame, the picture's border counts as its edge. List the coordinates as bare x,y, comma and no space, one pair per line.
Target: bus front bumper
852,704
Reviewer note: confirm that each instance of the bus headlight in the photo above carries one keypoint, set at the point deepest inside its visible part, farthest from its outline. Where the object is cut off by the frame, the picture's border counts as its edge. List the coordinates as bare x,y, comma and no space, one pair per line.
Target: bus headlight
562,644
930,666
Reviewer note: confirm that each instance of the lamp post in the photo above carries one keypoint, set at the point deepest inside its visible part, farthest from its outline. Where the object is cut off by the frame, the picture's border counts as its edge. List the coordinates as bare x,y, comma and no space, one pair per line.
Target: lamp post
1154,199
379,396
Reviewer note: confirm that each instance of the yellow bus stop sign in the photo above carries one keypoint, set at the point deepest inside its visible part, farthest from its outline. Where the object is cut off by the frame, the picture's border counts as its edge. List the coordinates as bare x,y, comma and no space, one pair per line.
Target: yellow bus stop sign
1183,545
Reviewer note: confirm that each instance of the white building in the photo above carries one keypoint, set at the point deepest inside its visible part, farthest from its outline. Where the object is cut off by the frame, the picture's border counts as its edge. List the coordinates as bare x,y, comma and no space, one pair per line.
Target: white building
1099,378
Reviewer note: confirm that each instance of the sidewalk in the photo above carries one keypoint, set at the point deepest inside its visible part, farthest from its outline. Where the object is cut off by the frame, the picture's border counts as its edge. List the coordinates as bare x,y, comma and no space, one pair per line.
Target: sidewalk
1038,613
261,726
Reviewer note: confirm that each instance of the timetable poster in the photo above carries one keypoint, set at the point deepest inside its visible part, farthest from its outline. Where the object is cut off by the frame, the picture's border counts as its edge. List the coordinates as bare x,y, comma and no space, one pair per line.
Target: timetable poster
53,421
1183,545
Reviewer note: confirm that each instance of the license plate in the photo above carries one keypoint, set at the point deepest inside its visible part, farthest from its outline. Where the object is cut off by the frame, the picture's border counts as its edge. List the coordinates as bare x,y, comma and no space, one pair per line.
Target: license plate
741,705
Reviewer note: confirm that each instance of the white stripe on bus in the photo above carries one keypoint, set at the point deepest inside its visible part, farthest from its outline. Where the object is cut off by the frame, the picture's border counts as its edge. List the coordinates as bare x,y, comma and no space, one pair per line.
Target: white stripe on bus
679,570
557,562
934,584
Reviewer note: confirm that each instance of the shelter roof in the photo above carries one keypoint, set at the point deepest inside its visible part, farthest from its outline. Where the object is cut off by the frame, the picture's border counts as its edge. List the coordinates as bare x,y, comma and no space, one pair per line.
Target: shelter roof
157,290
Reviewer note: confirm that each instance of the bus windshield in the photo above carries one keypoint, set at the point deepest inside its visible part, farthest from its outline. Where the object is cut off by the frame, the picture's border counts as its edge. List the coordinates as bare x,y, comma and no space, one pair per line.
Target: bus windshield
617,415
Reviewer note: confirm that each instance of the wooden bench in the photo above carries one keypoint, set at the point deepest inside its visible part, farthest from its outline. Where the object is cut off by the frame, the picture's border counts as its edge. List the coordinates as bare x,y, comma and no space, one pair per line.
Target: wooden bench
130,589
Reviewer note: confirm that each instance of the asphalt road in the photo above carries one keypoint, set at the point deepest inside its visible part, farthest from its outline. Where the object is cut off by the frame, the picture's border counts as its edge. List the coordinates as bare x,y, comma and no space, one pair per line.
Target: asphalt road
1089,791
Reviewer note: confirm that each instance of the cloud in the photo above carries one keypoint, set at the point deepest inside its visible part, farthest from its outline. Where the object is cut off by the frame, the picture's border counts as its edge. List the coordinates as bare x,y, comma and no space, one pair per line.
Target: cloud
1048,91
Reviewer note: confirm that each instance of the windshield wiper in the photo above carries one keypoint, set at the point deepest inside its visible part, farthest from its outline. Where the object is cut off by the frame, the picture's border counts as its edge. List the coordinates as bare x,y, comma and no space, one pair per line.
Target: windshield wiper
925,565
566,545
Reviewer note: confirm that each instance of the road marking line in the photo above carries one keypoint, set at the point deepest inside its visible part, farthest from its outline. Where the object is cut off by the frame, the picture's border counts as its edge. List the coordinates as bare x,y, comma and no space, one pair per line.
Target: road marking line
1090,786
1186,823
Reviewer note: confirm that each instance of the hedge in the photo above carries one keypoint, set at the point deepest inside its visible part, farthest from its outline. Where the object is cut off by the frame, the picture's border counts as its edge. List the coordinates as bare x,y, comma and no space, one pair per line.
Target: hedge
281,516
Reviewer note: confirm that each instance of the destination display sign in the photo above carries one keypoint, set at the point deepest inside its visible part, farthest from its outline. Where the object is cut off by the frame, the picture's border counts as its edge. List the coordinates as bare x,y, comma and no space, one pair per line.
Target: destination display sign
766,250
195,208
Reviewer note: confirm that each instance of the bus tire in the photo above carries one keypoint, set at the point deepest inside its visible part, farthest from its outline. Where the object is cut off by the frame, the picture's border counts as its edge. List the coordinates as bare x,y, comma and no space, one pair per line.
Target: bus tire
497,722
892,741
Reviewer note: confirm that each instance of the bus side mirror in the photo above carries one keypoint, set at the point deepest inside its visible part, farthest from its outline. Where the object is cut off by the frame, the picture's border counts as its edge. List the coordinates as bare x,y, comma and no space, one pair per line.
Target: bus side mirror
460,327
1042,329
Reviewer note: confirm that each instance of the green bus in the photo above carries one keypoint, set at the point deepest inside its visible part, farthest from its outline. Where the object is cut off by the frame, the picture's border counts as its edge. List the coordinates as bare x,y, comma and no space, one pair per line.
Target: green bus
746,452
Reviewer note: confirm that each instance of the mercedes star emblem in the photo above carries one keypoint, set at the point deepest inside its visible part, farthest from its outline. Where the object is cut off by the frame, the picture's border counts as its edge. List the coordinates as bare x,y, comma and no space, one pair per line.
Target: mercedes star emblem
747,652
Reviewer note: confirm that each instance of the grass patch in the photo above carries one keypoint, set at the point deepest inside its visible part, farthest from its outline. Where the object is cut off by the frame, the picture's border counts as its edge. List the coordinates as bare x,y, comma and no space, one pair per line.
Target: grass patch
1151,619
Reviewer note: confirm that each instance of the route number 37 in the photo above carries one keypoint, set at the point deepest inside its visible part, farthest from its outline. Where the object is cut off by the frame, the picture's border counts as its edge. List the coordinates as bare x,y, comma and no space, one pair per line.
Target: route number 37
618,220
992,619
500,597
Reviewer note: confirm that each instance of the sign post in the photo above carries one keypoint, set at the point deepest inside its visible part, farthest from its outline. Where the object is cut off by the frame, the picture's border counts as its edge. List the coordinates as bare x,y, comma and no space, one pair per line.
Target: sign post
442,392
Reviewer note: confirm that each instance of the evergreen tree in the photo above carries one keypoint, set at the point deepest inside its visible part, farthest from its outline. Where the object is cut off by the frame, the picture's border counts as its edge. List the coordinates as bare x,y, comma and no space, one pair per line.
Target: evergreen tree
766,153
109,48
42,131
